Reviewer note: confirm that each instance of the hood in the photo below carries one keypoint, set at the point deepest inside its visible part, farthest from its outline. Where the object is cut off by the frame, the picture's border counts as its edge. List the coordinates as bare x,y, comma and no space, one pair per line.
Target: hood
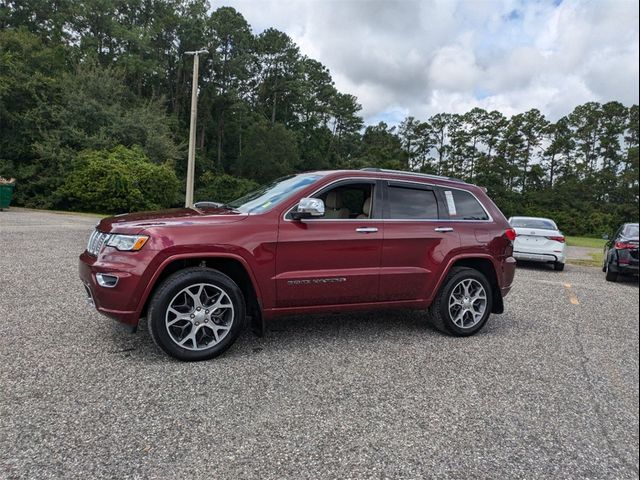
136,222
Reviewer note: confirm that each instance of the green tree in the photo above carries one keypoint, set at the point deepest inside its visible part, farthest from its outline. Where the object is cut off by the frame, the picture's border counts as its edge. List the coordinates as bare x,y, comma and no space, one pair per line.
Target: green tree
409,133
232,55
278,62
380,147
559,151
271,151
223,188
440,125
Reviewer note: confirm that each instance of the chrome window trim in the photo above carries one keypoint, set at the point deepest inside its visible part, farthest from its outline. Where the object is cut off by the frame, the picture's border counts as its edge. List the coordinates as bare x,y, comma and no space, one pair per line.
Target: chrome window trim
432,220
288,210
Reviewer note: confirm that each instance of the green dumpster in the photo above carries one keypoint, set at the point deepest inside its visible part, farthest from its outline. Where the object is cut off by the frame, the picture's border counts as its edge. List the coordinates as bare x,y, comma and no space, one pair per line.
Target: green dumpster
6,192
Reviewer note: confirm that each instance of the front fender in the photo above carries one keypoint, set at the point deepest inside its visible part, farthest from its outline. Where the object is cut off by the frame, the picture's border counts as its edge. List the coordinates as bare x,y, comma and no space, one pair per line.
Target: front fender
156,270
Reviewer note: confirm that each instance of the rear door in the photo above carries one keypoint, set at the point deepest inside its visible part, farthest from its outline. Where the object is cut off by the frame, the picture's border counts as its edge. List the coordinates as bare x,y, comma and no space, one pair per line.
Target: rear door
332,261
417,239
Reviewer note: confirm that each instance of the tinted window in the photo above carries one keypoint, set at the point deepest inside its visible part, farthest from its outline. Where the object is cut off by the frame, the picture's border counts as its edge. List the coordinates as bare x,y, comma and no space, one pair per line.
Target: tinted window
464,206
541,223
350,198
412,203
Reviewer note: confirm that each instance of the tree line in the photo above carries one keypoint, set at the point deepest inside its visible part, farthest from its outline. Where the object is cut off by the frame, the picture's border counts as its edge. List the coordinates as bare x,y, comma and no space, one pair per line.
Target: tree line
95,99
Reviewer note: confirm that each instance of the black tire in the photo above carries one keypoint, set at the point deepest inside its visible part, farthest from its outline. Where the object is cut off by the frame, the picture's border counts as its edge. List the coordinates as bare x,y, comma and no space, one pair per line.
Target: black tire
439,309
611,276
170,288
558,266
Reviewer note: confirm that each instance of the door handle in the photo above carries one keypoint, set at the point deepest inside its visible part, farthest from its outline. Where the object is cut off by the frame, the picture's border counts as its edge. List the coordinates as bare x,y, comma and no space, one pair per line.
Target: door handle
367,229
444,229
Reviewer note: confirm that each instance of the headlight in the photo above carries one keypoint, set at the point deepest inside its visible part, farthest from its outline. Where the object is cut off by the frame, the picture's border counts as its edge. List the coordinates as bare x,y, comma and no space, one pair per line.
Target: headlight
127,243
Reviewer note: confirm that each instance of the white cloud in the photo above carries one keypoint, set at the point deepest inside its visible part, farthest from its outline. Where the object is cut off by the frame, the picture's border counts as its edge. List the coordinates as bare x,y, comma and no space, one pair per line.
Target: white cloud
453,68
423,57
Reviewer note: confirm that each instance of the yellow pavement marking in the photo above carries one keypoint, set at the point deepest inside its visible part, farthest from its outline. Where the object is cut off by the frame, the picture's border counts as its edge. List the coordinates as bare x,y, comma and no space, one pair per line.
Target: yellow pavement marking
573,299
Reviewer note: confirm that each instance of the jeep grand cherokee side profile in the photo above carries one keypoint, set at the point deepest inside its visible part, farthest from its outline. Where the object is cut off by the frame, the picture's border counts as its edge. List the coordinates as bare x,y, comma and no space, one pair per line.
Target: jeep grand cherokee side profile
314,242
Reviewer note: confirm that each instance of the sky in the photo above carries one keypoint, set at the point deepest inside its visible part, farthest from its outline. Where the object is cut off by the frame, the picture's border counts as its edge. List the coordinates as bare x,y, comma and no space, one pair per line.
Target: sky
422,57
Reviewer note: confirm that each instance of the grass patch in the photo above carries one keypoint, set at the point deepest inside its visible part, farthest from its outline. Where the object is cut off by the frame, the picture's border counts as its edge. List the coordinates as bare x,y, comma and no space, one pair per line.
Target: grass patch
586,242
595,261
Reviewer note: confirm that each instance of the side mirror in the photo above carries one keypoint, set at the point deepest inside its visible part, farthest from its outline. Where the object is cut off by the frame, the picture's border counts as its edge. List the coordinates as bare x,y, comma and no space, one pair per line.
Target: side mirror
308,208
605,237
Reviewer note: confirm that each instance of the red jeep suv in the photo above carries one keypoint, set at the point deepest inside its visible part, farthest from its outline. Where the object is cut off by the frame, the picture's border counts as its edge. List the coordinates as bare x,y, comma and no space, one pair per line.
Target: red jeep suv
314,242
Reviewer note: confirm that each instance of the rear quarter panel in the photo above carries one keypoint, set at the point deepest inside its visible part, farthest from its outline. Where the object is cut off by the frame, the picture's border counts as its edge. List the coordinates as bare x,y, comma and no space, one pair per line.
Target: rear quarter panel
488,240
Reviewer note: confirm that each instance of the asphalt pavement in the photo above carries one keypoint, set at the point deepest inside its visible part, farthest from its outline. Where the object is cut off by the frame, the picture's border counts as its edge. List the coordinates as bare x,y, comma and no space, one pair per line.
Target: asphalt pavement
549,389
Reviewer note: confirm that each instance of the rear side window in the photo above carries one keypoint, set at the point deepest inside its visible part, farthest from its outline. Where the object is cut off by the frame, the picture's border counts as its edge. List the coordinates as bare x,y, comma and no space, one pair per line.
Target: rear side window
464,206
412,203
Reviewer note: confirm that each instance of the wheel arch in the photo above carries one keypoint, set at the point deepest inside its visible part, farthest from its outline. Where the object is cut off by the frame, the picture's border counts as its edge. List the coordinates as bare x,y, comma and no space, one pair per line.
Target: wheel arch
486,266
232,266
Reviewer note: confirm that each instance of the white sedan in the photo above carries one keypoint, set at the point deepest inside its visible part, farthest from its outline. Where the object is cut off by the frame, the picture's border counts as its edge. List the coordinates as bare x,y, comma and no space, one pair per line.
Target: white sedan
539,240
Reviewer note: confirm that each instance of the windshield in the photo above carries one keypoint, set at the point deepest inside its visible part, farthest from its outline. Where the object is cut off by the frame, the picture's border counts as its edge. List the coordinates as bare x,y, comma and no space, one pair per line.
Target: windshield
631,230
268,196
542,223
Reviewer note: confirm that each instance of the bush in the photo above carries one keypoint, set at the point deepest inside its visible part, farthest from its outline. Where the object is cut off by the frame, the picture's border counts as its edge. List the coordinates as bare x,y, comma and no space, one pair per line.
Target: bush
223,188
118,180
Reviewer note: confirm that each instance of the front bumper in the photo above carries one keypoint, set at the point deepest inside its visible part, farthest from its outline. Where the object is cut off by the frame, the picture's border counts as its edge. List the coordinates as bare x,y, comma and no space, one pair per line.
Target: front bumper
119,302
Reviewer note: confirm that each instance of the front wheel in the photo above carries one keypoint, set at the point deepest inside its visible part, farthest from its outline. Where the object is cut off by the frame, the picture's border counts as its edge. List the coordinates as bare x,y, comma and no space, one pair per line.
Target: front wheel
463,304
196,314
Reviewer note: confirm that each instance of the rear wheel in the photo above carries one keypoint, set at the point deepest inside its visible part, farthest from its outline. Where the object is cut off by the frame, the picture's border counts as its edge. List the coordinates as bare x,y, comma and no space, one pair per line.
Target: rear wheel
463,304
610,276
558,266
196,314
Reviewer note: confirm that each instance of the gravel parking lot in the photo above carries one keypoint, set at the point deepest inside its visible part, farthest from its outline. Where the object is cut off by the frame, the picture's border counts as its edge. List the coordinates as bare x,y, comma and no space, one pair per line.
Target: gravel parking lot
549,389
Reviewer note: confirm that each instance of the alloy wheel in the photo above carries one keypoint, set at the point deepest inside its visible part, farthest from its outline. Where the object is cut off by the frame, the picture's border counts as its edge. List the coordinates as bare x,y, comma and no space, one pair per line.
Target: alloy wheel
467,303
199,316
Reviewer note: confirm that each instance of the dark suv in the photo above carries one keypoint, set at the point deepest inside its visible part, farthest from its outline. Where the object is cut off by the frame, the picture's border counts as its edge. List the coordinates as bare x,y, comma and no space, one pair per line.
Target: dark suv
621,252
314,242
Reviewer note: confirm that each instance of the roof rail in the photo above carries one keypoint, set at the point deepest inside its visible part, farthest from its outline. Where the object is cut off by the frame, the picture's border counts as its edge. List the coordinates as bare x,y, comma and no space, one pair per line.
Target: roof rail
416,174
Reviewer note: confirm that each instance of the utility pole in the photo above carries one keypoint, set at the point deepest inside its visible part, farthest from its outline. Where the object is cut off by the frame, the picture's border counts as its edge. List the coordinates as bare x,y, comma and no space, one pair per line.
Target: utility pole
191,161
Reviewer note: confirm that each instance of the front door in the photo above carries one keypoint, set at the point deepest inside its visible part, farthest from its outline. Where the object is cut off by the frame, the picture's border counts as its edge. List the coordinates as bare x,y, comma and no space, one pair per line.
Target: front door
334,260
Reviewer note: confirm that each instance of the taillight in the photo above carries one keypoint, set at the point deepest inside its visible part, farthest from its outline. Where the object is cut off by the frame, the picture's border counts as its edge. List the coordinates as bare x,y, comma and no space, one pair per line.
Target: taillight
625,246
511,234
557,239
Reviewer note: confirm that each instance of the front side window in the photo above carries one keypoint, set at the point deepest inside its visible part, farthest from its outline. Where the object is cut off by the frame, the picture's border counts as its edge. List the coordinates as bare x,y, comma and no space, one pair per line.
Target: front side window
268,196
464,206
350,201
412,204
